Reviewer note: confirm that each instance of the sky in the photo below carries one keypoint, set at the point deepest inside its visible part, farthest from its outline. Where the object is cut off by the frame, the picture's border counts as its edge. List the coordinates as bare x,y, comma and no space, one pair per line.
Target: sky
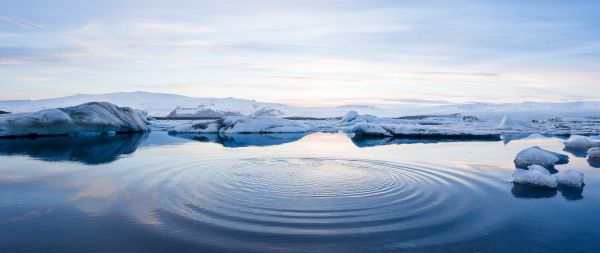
310,52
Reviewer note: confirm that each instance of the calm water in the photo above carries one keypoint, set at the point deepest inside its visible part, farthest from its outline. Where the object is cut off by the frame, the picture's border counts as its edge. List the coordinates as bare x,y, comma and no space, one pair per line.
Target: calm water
285,193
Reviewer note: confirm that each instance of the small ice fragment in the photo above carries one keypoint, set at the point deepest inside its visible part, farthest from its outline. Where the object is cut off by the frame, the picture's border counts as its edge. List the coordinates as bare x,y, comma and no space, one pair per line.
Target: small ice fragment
539,169
536,155
535,178
366,129
580,142
350,116
571,178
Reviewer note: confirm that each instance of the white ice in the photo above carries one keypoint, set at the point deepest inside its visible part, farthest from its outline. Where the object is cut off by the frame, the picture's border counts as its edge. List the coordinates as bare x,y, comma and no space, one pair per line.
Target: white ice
571,178
350,116
580,142
593,154
536,155
243,124
508,123
369,129
539,169
535,177
95,117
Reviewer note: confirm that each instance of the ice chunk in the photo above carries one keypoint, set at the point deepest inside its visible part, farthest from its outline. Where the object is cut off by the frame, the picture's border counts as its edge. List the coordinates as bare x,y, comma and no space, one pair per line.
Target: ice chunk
514,124
368,129
593,154
94,117
535,177
243,124
539,156
539,169
571,178
350,116
200,127
580,142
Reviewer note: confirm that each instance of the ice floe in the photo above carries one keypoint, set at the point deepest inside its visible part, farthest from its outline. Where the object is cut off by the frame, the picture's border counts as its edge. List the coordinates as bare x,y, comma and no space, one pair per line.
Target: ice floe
580,142
572,178
593,154
243,124
369,129
94,117
539,156
535,177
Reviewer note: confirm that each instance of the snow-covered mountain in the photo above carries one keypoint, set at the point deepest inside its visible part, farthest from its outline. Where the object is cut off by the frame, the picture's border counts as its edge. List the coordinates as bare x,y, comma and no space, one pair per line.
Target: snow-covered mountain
161,104
156,104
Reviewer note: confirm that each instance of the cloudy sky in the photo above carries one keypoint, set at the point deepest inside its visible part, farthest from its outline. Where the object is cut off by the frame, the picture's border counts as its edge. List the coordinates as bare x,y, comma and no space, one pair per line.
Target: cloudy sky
310,52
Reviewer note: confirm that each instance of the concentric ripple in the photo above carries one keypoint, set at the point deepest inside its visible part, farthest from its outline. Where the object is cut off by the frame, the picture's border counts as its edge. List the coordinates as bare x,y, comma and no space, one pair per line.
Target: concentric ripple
320,201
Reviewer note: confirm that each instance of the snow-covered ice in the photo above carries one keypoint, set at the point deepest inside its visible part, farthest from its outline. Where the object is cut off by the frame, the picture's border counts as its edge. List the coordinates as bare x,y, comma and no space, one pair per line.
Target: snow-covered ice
535,177
539,156
243,124
539,169
508,123
94,117
580,142
593,154
572,178
350,116
369,129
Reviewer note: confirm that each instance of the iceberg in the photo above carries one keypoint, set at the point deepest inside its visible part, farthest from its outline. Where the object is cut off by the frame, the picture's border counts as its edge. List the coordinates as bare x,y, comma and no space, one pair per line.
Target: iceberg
579,142
94,117
572,178
535,177
539,156
243,125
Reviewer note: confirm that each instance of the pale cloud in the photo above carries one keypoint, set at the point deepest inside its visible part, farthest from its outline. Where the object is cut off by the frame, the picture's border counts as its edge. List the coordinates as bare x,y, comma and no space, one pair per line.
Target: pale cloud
32,78
169,27
310,51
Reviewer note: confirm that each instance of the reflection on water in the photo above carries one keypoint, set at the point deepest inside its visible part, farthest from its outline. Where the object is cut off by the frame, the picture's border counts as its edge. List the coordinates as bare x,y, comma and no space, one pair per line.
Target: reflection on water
95,149
532,192
362,142
243,140
285,193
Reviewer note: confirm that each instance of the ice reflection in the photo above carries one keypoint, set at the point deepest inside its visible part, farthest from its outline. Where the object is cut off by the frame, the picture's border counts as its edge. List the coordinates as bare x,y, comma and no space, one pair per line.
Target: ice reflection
533,192
243,140
363,142
96,149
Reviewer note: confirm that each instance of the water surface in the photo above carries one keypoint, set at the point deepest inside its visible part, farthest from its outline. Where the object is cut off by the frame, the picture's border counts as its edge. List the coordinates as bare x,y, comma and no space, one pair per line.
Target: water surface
285,193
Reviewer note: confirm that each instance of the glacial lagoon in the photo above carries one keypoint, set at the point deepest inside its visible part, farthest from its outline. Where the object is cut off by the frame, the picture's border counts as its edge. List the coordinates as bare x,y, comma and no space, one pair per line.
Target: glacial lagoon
321,192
